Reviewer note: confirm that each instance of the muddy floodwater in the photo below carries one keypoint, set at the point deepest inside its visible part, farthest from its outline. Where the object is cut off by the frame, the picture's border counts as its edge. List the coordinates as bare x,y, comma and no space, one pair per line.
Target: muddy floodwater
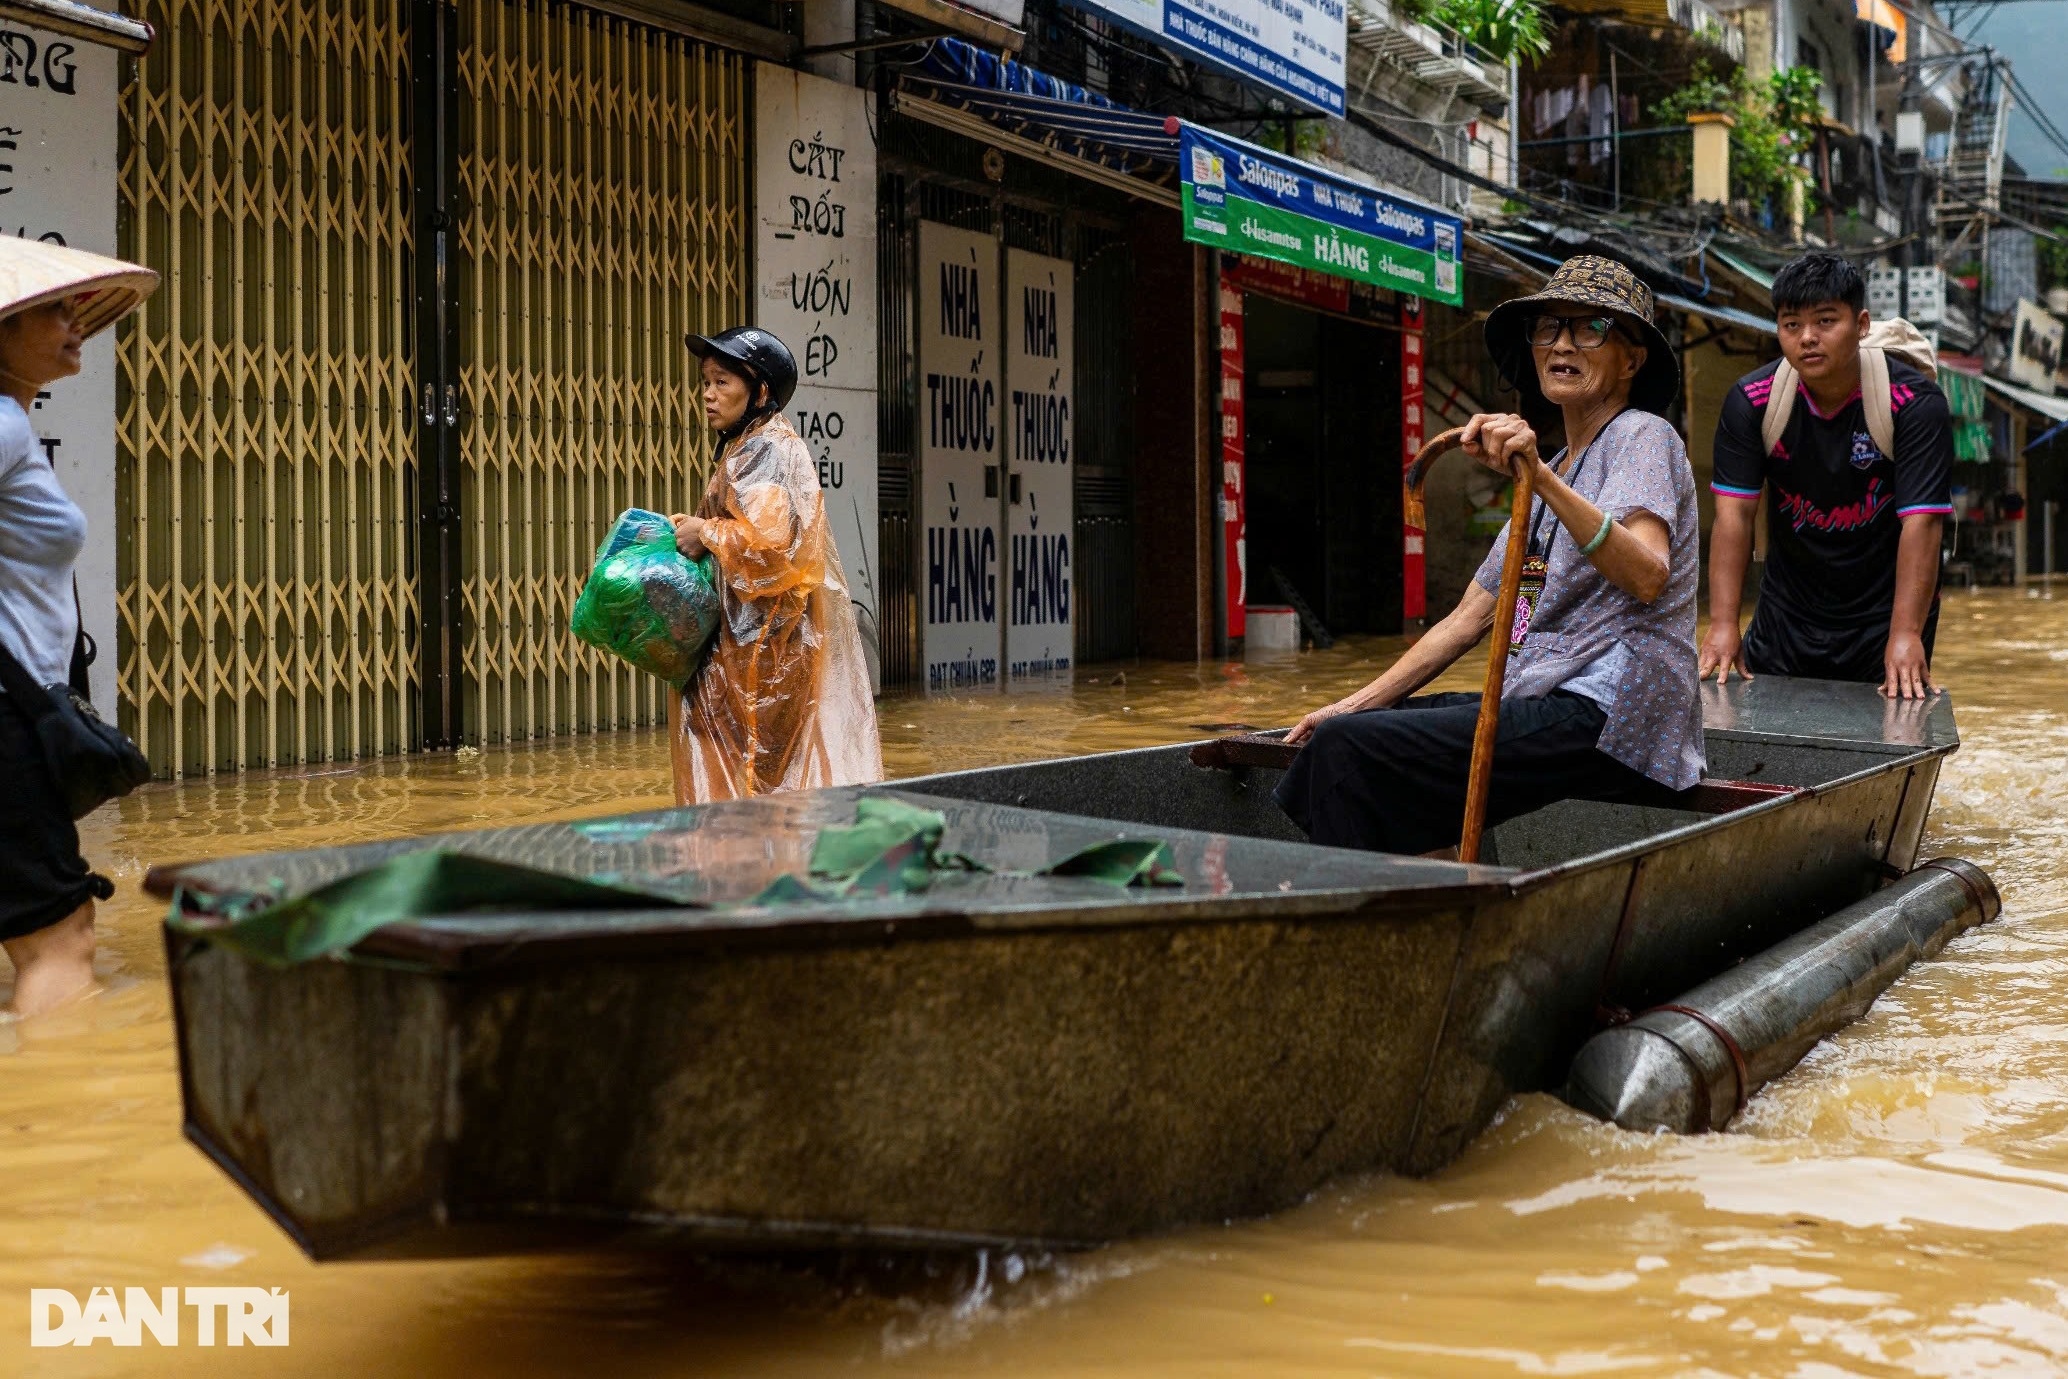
1897,1205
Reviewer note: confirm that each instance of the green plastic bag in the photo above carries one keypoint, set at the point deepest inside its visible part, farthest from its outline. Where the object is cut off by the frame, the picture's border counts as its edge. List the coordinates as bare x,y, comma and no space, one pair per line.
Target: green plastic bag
647,603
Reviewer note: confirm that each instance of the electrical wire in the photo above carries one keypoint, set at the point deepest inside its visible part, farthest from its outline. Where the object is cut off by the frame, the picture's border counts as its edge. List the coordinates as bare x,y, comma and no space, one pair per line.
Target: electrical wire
1639,240
2015,220
2029,104
1409,119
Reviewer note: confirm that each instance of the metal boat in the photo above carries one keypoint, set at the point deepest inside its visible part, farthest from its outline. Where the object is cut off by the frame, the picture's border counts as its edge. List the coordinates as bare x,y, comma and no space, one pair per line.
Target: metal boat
1006,1058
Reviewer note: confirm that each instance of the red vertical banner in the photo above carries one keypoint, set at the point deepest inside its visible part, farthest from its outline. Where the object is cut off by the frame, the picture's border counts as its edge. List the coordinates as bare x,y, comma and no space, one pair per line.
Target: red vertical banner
1234,547
1414,594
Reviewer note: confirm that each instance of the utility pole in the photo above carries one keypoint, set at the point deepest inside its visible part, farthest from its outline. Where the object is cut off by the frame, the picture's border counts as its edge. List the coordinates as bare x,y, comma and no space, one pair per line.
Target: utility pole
1615,102
1910,152
1874,110
1824,179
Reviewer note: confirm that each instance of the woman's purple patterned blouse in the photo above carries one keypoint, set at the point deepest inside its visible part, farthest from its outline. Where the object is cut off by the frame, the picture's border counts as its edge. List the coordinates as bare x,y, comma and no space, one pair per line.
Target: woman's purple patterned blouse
1654,725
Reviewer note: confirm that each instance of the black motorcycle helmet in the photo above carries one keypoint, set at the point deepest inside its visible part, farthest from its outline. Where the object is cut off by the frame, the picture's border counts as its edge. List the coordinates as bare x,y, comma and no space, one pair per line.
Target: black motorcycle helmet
756,354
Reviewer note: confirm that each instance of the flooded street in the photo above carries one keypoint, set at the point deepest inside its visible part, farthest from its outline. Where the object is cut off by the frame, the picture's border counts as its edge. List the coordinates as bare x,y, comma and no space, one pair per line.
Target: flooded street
1898,1205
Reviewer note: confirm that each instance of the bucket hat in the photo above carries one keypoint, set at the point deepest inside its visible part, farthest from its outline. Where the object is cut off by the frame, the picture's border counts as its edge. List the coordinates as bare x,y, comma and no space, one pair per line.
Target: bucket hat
1594,283
33,272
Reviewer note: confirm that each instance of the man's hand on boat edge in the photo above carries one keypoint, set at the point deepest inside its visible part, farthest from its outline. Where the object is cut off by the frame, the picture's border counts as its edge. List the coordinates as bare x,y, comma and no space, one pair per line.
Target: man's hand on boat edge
1723,651
1908,674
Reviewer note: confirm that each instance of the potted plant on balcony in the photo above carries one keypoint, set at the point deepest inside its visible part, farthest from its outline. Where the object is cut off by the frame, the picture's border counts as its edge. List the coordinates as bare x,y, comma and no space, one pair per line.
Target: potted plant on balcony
1499,29
1773,124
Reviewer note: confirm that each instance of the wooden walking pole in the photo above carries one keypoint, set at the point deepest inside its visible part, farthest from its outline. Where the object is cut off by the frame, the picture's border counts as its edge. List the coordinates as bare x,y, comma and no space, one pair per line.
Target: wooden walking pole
1269,750
1479,778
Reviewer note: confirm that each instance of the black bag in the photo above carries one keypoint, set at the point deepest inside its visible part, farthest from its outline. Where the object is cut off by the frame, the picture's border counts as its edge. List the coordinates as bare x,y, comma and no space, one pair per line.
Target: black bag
91,760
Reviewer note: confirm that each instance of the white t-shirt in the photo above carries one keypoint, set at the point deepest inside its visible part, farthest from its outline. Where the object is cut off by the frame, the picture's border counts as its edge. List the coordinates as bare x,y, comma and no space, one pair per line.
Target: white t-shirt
42,532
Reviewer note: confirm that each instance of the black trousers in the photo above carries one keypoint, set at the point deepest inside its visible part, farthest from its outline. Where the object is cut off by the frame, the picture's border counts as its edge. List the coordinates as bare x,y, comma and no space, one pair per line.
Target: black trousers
1393,780
42,876
1780,643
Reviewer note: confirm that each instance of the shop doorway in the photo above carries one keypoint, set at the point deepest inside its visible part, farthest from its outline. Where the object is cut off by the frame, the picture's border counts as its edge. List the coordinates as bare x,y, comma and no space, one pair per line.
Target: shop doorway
420,342
1031,490
1322,447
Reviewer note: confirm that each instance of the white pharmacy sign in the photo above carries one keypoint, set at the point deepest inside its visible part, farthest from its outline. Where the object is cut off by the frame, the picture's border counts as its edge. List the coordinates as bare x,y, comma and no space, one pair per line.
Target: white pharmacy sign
219,1316
1040,357
57,183
815,251
960,451
1291,48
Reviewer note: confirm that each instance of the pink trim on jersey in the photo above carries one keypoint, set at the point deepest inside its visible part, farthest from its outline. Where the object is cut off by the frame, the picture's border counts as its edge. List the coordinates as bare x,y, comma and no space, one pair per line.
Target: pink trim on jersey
1803,390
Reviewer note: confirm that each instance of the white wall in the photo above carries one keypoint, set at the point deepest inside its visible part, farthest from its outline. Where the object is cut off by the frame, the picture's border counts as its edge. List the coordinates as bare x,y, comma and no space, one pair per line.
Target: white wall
815,287
57,183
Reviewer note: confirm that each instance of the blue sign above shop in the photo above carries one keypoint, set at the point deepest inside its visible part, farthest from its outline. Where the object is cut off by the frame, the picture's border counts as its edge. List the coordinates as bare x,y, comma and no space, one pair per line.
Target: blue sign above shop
1249,199
1290,48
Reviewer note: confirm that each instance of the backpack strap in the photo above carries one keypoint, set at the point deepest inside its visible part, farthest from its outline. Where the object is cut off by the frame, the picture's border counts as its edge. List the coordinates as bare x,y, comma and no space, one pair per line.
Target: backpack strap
1874,398
1780,406
1874,401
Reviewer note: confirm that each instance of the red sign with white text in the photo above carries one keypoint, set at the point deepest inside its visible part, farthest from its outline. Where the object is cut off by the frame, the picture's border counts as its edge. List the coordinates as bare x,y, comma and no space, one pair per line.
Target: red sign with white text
1234,548
1414,599
1287,282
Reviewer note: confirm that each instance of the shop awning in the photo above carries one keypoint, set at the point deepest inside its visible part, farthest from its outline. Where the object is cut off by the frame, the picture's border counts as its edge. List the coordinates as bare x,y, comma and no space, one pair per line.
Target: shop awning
975,93
993,23
74,20
1543,264
2048,406
1726,315
1751,272
1495,258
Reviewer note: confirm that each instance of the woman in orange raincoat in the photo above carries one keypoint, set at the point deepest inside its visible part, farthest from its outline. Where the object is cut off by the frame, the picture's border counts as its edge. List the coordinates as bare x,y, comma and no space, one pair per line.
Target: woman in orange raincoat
783,701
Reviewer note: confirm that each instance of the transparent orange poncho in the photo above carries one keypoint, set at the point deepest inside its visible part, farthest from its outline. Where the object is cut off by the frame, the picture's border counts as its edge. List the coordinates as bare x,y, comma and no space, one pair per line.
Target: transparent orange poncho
783,700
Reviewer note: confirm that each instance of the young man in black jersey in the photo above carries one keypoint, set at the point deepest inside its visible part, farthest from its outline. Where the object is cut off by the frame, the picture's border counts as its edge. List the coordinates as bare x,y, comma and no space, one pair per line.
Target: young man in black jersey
1851,590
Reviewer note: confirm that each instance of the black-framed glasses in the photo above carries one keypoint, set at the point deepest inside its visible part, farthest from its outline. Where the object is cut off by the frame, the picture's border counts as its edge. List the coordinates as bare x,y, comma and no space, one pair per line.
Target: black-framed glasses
1589,332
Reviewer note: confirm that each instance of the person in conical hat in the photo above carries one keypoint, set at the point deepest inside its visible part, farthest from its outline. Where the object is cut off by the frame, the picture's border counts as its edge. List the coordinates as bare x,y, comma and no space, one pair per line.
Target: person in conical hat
52,299
783,700
1599,701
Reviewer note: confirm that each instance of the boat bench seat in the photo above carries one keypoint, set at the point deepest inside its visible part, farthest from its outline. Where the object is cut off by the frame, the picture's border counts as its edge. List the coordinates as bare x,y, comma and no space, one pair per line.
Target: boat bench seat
1723,796
1271,752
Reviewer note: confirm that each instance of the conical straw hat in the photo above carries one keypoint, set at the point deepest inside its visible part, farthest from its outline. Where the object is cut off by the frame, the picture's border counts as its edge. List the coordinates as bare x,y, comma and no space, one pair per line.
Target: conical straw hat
33,272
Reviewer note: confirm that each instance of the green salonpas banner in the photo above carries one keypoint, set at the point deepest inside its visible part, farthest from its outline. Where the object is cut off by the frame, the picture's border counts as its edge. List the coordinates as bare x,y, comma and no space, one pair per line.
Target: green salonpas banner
1242,197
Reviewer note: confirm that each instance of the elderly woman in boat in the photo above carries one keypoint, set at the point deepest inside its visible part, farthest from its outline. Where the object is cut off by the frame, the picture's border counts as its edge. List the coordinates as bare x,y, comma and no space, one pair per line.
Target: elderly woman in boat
1600,696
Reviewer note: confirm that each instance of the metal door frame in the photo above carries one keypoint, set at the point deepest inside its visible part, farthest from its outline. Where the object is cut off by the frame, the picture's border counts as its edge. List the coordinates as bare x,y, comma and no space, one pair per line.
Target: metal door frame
434,82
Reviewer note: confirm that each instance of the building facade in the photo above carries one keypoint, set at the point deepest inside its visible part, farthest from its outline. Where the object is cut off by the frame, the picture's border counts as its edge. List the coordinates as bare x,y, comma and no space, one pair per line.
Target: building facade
421,333
419,340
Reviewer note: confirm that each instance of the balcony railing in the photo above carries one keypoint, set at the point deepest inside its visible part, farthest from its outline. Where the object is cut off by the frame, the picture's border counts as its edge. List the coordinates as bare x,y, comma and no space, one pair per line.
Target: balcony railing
1430,53
1703,22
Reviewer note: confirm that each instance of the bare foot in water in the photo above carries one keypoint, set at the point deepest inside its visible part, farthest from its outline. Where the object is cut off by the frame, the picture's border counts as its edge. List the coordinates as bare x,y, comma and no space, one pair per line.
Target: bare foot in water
53,965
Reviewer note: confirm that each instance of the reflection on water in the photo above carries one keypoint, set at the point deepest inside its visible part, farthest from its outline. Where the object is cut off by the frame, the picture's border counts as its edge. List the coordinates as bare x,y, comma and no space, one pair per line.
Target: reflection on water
1897,1205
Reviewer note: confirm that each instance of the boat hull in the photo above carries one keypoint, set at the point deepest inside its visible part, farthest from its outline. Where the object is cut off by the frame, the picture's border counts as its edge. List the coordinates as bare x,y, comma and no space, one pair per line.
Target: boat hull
1061,1088
1003,1068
